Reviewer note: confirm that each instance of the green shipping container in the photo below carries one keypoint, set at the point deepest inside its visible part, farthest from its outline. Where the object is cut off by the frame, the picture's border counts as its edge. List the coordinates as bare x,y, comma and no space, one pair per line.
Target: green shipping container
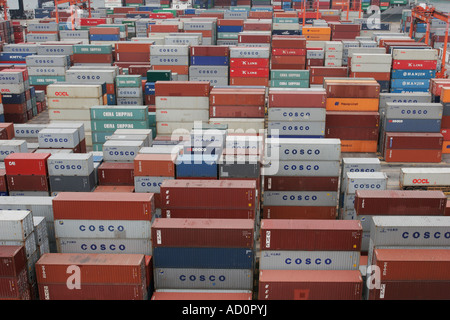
174,12
285,20
100,136
45,80
289,75
138,113
92,48
289,83
152,119
128,81
227,35
153,132
113,125
159,75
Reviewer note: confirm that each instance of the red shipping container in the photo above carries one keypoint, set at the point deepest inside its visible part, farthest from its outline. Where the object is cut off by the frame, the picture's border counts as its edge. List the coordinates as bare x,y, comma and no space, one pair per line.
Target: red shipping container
297,99
199,233
26,164
413,141
163,28
280,183
352,89
289,42
311,235
16,118
310,285
260,14
413,264
284,66
27,183
329,71
155,165
101,30
92,58
352,119
200,213
208,194
116,174
182,88
288,52
230,22
199,295
411,290
249,72
103,206
288,60
3,183
132,56
13,260
9,127
249,62
205,50
249,81
92,21
15,287
286,212
254,38
257,26
114,189
352,133
236,111
414,64
413,155
400,202
446,134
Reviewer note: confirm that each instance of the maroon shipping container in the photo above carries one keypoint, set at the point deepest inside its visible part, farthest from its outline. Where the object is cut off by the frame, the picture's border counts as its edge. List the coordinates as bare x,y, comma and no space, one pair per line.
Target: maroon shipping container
103,206
18,108
237,97
289,42
116,174
286,66
209,213
297,99
311,235
412,155
206,50
289,212
92,58
280,183
254,38
26,163
208,194
9,129
3,183
285,59
310,285
328,71
16,118
139,69
352,90
217,233
413,264
411,290
349,133
27,183
400,202
344,27
410,140
182,88
95,268
12,260
352,119
60,291
15,287
237,111
199,295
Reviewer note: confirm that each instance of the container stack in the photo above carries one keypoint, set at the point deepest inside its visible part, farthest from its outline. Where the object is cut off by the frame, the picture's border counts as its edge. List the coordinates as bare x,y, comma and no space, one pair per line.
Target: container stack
71,103
288,52
317,33
408,128
318,73
396,234
407,64
59,139
71,173
208,30
221,251
301,178
151,169
122,277
352,113
209,63
134,53
315,56
354,165
42,32
334,54
228,31
374,65
300,269
445,124
149,90
13,276
179,104
103,222
129,90
47,69
27,174
16,96
296,113
344,31
171,57
249,66
92,55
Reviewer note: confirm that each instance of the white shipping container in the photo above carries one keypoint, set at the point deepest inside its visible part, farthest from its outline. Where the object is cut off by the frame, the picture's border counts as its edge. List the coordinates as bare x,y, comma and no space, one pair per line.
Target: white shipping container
244,125
74,90
361,58
301,168
415,54
424,177
149,184
169,50
300,149
58,138
167,128
28,130
182,115
66,114
104,229
300,198
170,102
15,224
127,246
121,151
80,126
80,164
8,147
40,230
74,103
366,181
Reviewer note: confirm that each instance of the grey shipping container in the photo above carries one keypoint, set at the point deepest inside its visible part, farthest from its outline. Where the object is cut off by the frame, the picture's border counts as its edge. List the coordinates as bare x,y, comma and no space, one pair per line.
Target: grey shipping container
300,198
72,183
302,168
304,149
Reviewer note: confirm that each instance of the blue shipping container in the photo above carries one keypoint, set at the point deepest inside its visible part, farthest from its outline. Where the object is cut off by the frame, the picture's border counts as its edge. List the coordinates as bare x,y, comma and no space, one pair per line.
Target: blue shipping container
214,258
413,74
412,125
408,90
104,37
410,83
14,56
13,98
209,61
194,165
230,28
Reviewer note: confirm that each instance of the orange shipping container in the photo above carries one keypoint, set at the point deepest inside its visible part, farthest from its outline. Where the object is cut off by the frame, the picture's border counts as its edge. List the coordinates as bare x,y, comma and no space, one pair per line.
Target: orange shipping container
173,69
445,95
132,47
155,165
339,104
246,81
359,146
446,147
114,189
318,37
316,30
